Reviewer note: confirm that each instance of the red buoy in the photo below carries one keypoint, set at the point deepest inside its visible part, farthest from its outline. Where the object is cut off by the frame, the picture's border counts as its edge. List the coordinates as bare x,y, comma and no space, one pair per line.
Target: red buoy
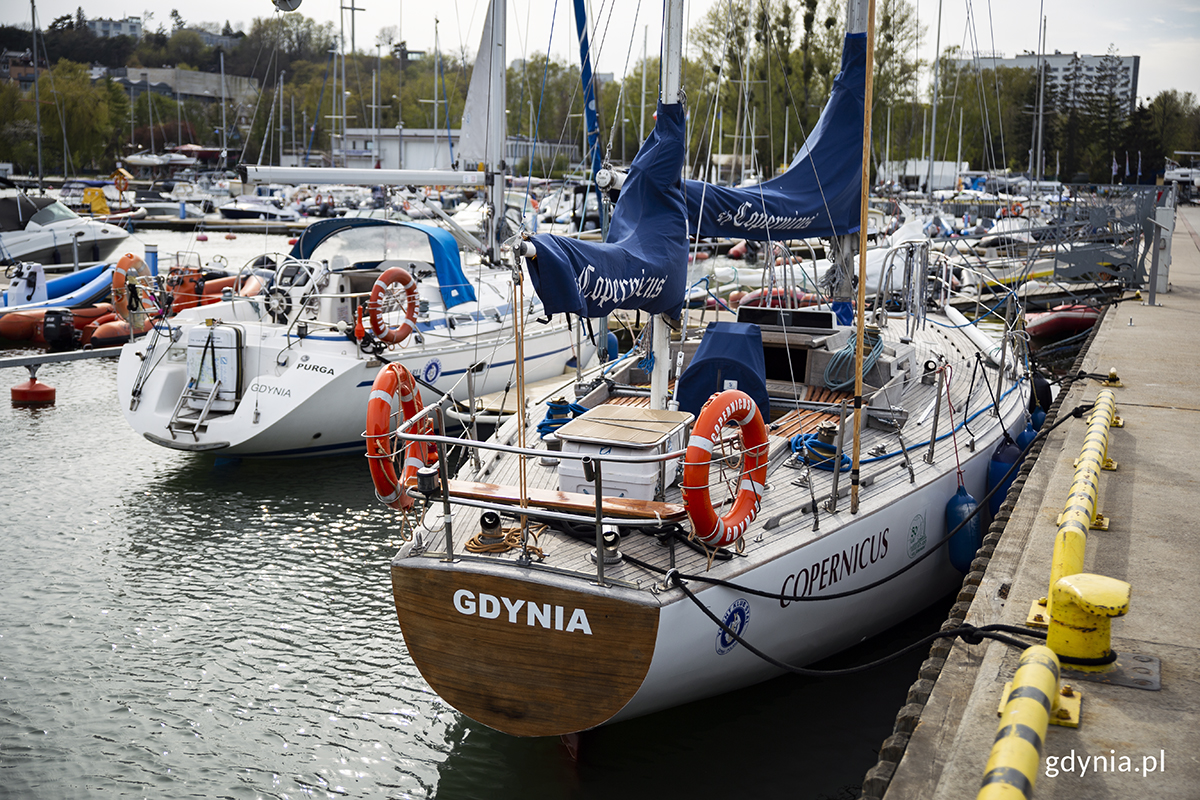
203,237
293,240
32,392
231,236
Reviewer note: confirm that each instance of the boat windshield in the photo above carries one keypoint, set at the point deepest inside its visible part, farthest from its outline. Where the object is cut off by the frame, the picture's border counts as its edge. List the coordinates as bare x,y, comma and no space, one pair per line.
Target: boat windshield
55,212
374,244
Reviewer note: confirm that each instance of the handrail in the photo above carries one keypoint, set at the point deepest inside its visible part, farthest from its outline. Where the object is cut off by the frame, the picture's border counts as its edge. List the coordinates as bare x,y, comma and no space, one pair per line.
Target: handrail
403,434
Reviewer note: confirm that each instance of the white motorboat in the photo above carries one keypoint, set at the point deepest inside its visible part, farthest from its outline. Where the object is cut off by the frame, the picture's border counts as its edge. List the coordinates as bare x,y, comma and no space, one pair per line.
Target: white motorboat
43,230
252,207
643,555
285,371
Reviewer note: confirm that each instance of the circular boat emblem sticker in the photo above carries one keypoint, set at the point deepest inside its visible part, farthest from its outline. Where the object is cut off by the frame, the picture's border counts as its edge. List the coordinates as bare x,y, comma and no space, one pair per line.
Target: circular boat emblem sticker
432,370
737,617
916,536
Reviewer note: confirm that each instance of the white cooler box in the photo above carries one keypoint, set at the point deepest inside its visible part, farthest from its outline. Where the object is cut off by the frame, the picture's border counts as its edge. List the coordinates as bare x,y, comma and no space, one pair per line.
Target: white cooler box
613,430
220,359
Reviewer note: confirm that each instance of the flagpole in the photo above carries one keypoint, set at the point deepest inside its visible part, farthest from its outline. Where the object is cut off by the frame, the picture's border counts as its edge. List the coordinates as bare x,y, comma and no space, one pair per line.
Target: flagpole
862,257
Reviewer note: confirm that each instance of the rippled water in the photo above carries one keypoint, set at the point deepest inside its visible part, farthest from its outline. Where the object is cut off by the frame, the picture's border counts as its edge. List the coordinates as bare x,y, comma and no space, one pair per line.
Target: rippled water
177,626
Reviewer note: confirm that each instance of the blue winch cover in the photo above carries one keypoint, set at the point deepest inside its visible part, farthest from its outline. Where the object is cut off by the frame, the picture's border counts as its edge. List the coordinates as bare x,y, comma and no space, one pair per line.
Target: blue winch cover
729,351
452,282
643,263
819,194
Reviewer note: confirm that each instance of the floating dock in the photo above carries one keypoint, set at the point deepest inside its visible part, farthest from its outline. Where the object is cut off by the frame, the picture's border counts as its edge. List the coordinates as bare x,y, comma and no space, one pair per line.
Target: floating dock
1138,728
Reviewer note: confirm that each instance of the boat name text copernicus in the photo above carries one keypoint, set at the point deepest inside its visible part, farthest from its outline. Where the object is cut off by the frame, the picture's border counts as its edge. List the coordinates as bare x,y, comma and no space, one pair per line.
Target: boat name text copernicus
830,570
746,217
277,390
314,367
488,606
609,290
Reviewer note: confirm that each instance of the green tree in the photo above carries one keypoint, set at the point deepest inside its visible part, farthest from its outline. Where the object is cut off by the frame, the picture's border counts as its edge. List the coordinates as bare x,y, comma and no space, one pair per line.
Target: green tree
80,127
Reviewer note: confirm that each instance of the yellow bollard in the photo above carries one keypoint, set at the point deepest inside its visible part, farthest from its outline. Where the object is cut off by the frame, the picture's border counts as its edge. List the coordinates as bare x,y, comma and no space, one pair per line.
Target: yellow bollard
1013,765
1082,608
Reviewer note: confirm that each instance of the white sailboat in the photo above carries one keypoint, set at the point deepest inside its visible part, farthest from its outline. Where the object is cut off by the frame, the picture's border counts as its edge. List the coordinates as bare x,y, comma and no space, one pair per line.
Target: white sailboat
661,546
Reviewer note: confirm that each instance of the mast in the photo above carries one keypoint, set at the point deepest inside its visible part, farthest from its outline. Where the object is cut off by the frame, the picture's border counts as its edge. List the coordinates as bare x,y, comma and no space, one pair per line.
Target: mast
37,103
591,118
856,7
224,124
281,74
497,123
937,51
1036,172
645,68
672,73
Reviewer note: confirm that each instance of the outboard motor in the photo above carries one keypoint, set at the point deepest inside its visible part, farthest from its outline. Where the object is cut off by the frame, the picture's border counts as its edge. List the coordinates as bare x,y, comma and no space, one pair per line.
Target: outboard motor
58,328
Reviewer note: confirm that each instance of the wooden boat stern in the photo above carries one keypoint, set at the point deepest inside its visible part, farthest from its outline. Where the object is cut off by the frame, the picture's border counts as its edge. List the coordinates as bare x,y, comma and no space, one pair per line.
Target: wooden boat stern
548,654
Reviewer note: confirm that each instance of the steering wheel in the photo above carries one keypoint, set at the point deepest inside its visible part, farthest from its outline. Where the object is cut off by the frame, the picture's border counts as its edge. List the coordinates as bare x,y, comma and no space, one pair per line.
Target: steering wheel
219,260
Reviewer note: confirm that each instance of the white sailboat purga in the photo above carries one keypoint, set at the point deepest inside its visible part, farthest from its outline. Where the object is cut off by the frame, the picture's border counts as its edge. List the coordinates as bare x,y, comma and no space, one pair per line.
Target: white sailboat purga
282,365
647,548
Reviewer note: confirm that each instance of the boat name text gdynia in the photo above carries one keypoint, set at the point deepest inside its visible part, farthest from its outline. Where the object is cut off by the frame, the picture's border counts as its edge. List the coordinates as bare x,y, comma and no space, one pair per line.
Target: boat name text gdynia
488,606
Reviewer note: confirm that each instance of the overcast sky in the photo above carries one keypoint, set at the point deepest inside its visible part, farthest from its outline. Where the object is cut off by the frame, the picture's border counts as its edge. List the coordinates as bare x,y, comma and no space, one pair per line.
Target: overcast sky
1165,33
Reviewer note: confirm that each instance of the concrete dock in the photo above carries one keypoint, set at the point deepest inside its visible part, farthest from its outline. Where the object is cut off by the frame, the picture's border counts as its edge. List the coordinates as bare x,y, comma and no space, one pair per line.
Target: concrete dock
1149,740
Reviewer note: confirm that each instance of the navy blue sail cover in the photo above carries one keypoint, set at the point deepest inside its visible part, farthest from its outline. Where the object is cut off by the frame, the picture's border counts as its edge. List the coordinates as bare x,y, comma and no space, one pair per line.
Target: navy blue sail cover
643,263
819,194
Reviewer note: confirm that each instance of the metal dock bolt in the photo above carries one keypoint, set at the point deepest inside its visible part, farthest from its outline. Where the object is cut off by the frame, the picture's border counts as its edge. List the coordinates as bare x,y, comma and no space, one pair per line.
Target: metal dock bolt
1082,607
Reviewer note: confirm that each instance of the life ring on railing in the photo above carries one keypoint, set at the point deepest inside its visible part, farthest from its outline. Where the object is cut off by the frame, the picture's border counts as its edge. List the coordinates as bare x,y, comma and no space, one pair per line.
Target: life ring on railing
1016,210
398,334
121,182
730,407
124,284
394,385
317,200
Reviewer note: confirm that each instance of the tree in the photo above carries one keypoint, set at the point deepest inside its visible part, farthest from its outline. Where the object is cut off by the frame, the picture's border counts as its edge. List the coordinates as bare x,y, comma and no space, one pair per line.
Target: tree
80,127
177,23
1109,111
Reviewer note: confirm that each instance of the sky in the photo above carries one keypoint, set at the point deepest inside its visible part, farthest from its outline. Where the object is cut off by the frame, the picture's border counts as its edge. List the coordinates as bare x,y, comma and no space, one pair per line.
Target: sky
1164,33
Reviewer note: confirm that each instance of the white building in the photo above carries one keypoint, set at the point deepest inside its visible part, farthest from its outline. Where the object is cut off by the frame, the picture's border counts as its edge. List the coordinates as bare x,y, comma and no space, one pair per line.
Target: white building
1058,66
107,28
425,148
913,175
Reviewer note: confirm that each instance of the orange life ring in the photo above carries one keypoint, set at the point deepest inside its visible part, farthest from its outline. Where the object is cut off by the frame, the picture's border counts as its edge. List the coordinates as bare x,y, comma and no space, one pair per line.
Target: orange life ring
1016,210
378,326
318,200
730,407
394,385
124,284
121,182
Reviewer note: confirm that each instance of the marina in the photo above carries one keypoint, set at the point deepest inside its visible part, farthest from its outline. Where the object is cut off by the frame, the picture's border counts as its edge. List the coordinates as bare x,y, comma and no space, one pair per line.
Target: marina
832,480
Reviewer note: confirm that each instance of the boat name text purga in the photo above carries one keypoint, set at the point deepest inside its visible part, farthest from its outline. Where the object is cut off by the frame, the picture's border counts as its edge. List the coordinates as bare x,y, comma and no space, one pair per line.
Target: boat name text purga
832,569
316,368
488,606
757,220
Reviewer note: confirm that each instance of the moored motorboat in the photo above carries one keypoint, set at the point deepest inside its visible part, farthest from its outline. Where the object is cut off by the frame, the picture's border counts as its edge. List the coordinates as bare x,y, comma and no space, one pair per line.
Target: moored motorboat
1062,320
43,230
